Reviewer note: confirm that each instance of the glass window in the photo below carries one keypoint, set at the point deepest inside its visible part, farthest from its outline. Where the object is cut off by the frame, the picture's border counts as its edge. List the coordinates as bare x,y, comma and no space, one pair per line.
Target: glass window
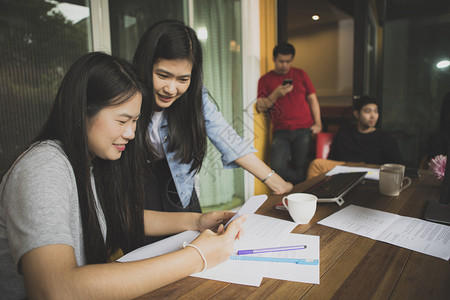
218,26
414,86
39,41
130,19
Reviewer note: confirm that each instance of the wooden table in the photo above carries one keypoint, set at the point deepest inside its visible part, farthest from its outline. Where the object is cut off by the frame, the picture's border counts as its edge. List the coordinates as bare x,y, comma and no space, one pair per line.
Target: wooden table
351,266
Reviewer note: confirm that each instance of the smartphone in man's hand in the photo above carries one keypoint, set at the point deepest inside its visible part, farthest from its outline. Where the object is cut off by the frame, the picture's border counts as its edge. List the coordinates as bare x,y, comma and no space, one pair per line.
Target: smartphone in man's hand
287,81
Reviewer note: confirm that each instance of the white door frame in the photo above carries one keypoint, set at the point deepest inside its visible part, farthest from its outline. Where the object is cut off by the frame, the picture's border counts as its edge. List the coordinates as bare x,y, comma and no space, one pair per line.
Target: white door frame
101,35
251,57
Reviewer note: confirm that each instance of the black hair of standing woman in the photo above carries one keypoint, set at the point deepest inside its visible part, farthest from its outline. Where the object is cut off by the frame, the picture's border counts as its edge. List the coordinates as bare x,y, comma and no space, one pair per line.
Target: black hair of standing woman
95,81
172,39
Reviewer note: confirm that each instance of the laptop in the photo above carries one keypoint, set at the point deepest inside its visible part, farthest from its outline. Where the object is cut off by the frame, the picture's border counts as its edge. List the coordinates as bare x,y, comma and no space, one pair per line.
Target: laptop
333,188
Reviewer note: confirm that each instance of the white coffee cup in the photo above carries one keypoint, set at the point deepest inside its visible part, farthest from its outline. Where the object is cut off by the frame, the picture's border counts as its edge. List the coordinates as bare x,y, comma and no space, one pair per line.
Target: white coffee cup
301,207
392,180
395,166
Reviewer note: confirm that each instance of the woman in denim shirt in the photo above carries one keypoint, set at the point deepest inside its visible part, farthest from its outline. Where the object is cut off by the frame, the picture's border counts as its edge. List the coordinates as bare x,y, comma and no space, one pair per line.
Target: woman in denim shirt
169,62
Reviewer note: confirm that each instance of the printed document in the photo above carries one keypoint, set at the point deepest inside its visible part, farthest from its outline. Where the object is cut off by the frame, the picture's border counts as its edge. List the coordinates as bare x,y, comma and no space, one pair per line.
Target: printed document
294,272
411,233
373,174
259,232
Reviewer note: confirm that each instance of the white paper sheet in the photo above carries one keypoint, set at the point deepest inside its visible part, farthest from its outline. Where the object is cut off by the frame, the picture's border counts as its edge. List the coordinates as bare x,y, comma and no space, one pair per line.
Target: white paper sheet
373,174
249,207
411,233
161,247
233,271
294,272
259,232
174,242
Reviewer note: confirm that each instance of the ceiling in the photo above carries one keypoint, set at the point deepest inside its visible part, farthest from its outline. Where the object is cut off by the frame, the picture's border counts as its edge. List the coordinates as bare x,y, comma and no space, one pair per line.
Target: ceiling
299,13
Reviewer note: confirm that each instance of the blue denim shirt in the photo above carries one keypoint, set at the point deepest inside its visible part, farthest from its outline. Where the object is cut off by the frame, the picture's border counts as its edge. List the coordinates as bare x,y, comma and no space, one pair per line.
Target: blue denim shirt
222,136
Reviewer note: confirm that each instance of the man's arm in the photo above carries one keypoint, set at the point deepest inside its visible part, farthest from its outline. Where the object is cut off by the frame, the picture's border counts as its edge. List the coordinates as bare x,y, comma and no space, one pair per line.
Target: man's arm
315,111
263,104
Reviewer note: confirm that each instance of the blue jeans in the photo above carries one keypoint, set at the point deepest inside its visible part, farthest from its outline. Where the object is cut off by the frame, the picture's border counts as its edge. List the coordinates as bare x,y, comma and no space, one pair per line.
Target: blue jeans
292,144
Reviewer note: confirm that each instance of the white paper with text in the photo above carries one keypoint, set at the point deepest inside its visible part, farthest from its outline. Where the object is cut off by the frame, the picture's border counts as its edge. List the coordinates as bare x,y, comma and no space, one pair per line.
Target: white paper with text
411,233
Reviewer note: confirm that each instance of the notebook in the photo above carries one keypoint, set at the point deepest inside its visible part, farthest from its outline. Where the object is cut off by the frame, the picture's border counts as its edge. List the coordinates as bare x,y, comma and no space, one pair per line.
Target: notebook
333,188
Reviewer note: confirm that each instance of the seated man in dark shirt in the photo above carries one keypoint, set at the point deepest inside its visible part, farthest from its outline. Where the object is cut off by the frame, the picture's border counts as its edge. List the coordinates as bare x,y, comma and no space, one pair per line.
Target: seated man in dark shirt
362,142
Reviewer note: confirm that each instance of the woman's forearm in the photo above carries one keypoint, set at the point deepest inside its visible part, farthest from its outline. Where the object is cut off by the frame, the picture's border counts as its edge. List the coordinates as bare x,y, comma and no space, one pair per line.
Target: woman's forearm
158,223
51,272
260,170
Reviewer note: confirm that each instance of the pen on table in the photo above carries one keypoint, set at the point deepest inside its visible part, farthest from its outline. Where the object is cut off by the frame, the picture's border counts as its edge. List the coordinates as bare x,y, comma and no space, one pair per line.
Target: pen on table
299,261
274,249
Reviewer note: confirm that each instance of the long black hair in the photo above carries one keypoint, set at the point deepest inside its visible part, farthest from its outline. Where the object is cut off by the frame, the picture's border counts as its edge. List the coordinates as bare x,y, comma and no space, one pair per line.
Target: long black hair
95,81
171,39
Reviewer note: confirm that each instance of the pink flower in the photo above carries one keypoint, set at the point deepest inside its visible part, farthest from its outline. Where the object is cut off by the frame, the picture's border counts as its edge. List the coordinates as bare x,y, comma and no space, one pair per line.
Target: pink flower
437,165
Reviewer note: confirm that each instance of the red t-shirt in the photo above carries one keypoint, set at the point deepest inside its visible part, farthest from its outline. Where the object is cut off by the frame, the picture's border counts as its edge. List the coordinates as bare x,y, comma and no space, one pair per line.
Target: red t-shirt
291,111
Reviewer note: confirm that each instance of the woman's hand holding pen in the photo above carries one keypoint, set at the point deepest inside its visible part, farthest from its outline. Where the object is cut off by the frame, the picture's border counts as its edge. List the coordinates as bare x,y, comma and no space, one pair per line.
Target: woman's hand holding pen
218,246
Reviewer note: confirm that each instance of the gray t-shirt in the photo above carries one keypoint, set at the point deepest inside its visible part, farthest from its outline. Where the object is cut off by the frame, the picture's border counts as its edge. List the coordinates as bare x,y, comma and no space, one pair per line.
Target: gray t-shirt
38,207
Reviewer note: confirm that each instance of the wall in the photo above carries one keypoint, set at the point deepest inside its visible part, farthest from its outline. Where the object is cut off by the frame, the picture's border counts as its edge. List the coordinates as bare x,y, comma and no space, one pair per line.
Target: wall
325,52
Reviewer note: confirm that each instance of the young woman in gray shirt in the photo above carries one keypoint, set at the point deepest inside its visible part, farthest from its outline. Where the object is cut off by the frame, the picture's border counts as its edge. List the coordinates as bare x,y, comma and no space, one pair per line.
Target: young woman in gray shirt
74,199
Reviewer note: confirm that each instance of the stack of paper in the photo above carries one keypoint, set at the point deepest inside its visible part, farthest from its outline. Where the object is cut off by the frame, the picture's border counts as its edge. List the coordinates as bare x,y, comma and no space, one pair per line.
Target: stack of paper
263,232
259,232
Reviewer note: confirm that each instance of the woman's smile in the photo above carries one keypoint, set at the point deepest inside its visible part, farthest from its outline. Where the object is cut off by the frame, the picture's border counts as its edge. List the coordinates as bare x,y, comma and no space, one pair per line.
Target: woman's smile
171,79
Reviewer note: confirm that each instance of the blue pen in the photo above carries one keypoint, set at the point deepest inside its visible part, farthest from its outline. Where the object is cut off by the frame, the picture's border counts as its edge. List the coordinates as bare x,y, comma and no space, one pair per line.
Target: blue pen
274,249
299,261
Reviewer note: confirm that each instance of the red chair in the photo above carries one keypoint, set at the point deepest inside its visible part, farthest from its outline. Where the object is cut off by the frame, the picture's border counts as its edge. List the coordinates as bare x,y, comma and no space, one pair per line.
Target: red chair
323,143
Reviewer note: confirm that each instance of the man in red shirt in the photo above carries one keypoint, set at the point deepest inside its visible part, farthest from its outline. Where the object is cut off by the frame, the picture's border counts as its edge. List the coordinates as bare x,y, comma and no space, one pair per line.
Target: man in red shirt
294,111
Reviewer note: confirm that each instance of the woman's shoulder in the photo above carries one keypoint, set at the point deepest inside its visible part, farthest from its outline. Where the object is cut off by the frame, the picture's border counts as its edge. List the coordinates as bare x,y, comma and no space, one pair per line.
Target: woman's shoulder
45,156
45,150
43,166
208,105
